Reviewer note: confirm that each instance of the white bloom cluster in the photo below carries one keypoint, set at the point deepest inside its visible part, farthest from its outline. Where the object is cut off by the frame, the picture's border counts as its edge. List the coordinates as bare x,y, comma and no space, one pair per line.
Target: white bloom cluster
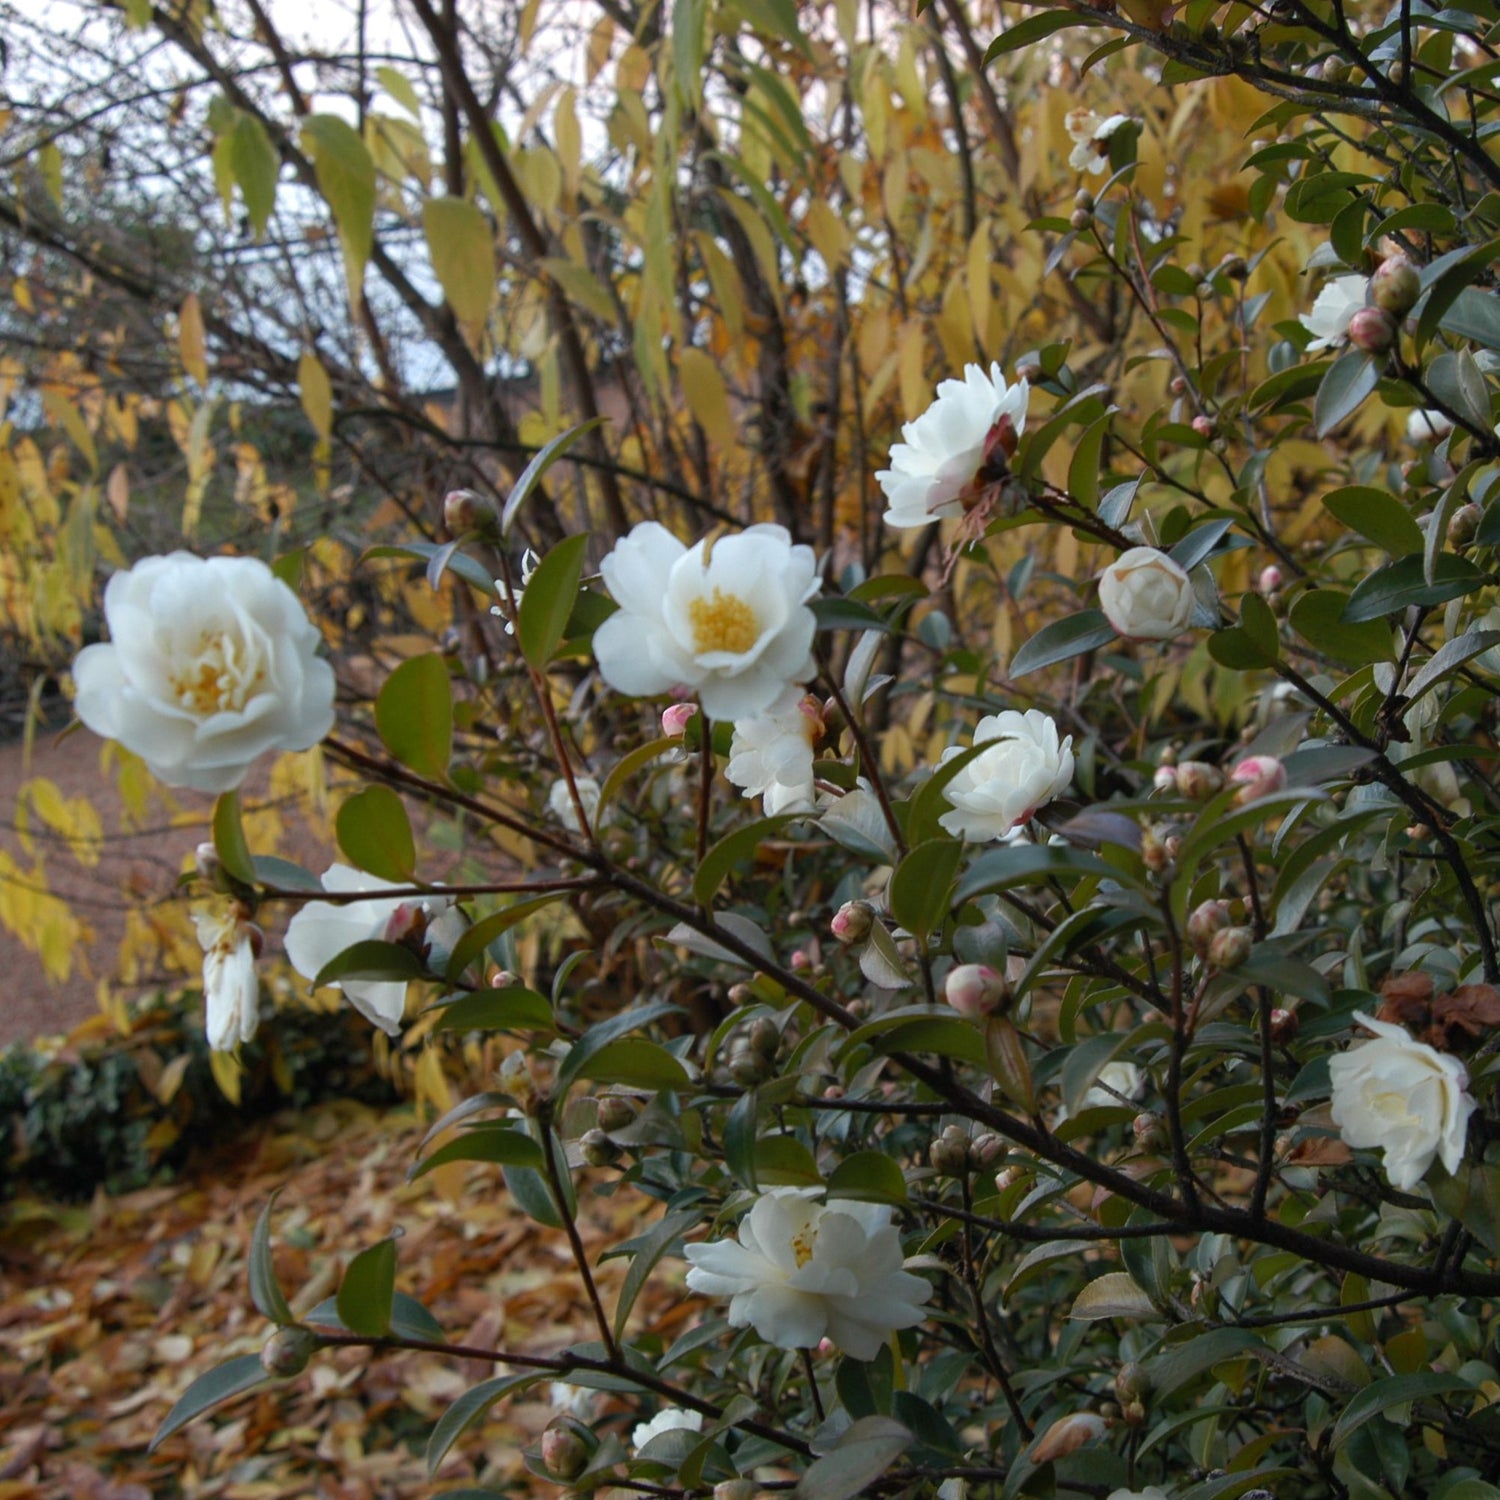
668,1419
803,1271
1026,766
935,465
771,755
211,662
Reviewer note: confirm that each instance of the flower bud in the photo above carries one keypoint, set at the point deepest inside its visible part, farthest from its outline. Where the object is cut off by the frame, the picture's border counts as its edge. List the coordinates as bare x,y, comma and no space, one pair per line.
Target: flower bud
1131,1381
1257,776
1164,779
765,1037
1372,329
736,1489
567,1447
1270,579
851,923
287,1352
675,719
975,989
1177,385
985,1150
1230,948
1067,1435
464,511
1204,426
801,960
1080,218
209,866
616,1112
1008,1177
1206,921
1154,852
1198,781
1284,1026
597,1148
1395,286
1133,1413
1235,267
747,1066
950,1152
1083,199
740,994
1150,1135
1463,524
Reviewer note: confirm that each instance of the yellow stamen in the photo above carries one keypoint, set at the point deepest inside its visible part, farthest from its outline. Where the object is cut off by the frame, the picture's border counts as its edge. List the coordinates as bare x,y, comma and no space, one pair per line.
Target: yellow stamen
724,622
802,1244
214,681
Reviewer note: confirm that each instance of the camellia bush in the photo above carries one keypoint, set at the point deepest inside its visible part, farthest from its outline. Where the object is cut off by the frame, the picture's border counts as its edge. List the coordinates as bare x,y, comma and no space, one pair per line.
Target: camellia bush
1006,704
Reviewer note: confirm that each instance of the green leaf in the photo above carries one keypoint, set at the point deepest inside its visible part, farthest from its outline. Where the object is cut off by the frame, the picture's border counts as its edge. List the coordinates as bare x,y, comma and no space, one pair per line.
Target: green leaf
548,599
1475,315
1350,378
265,1290
1182,1363
1400,584
1378,515
484,932
1397,1390
468,1409
1032,29
462,246
1062,640
1456,380
733,849
1193,548
491,1142
1026,864
1473,1198
1257,621
1237,649
232,1378
872,1444
373,830
541,461
920,889
1446,278
283,875
1449,656
229,839
644,1252
783,1161
346,178
1318,617
512,1008
368,1289
256,167
371,959
401,89
600,1035
868,1177
414,714
635,1063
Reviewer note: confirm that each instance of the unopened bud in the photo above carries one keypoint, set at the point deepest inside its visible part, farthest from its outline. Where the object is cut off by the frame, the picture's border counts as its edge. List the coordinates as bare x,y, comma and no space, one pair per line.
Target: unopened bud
567,1446
1372,329
1335,69
1198,781
1081,218
1133,1413
736,1489
675,719
1008,1177
1230,948
1083,199
209,866
851,923
1395,286
616,1112
740,994
985,1150
801,960
1207,920
1131,1381
1204,426
765,1037
287,1352
950,1152
1150,1135
975,989
1177,385
1463,525
747,1066
1270,579
1154,852
464,511
1165,779
1235,267
1257,776
1284,1026
597,1148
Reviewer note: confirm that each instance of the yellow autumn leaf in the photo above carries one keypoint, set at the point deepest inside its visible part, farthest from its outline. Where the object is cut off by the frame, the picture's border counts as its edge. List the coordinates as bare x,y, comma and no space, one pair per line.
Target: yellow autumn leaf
707,396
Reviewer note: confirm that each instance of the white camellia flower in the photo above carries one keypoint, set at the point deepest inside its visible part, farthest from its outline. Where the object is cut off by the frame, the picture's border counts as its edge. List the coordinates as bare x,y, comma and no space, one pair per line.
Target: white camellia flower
324,929
1146,596
668,1419
1025,767
728,622
231,992
804,1271
1427,426
211,662
560,802
1332,311
1403,1097
771,755
1090,136
934,466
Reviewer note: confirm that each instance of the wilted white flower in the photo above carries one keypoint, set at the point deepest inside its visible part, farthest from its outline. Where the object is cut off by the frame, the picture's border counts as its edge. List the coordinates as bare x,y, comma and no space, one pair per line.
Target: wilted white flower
728,622
803,1271
1090,137
560,802
1332,311
509,608
1403,1097
1427,426
771,755
1146,596
1000,788
1067,1435
231,992
935,465
668,1419
323,929
211,662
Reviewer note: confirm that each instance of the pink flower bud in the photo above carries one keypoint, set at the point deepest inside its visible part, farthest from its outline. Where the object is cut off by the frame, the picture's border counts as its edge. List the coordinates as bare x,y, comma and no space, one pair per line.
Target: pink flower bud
567,1447
464,511
1204,426
1372,329
801,960
1270,579
1230,948
1198,781
1257,776
975,989
851,923
1165,779
676,718
1206,921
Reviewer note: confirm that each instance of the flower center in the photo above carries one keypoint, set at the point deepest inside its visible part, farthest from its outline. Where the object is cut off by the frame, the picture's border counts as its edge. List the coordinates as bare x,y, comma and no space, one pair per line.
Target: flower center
215,680
1394,1108
723,622
803,1242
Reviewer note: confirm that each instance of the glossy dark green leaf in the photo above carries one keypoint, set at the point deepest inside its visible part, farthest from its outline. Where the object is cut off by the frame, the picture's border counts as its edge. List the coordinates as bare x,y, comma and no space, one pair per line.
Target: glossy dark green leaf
1457,382
1350,379
214,1386
1025,864
645,1251
492,1142
920,892
484,932
1378,515
541,461
733,849
600,1035
870,1177
513,1007
283,875
1062,640
468,1409
548,599
371,959
634,1062
866,1449
1400,584
414,714
265,1290
375,833
367,1291
229,839
1395,1390
1318,617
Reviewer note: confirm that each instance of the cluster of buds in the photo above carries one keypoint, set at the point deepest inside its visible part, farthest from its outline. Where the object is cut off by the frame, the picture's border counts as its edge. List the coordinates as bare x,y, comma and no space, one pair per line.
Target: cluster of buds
1205,922
976,990
852,922
752,1058
955,1153
1198,781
